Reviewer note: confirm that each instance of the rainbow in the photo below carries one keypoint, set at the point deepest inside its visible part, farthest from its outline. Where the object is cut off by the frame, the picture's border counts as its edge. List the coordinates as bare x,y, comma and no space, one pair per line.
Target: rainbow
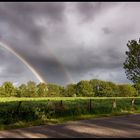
38,76
65,71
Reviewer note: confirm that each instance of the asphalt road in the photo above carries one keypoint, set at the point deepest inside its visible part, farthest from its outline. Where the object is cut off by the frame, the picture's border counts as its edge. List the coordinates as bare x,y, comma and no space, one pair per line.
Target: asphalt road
117,127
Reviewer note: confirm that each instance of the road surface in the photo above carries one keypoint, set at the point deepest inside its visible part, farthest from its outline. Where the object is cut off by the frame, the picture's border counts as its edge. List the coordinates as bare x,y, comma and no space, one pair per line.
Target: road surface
119,126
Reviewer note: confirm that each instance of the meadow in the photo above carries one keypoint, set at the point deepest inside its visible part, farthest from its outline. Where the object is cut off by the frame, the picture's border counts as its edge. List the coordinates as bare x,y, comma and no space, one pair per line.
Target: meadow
23,112
9,99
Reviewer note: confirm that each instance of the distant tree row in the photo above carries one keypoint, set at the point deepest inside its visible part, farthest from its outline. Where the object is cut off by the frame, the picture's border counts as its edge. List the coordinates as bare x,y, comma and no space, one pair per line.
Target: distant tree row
31,89
84,88
99,88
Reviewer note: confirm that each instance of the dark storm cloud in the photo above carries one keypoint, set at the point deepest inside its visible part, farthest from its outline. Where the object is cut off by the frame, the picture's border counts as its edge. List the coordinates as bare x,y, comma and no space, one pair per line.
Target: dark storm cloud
52,39
90,10
90,59
20,16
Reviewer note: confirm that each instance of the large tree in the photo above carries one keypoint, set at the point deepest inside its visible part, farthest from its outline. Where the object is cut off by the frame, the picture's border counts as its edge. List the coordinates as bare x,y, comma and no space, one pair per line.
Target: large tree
126,90
132,62
22,90
54,90
70,90
84,88
103,88
31,89
42,90
8,89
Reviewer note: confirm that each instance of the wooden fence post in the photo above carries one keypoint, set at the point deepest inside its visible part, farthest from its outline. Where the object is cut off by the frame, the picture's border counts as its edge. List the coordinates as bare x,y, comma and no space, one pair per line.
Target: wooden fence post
61,103
114,103
132,102
17,109
90,107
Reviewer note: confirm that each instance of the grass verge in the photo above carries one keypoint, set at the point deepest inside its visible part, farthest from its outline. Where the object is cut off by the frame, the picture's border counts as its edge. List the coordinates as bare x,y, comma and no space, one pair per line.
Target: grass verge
24,124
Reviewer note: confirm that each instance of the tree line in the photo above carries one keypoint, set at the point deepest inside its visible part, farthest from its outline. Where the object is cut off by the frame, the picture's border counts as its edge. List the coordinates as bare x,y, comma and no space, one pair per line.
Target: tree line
84,88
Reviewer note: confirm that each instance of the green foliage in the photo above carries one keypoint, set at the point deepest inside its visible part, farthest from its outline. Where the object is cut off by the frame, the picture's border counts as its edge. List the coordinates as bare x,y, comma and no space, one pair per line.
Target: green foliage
8,89
84,89
18,92
102,88
70,90
42,90
114,89
2,92
31,89
54,90
95,84
137,87
49,109
22,90
127,90
132,62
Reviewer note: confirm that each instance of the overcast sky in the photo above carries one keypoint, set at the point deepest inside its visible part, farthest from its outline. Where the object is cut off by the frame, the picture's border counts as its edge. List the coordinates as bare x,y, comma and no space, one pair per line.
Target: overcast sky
67,42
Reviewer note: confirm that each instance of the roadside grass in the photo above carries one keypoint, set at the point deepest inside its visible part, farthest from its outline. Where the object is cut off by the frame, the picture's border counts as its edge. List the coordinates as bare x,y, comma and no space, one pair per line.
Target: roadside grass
41,111
24,124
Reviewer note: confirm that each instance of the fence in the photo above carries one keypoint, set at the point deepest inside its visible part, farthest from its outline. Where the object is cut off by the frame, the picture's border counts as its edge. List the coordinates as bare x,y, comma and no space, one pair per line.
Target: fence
60,103
51,108
89,106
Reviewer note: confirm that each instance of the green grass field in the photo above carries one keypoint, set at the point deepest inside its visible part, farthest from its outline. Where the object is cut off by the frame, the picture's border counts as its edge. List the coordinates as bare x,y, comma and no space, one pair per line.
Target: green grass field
21,112
7,99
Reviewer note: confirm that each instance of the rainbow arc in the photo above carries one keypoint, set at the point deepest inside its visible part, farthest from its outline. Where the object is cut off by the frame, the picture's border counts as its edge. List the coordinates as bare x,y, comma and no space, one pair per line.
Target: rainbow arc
38,76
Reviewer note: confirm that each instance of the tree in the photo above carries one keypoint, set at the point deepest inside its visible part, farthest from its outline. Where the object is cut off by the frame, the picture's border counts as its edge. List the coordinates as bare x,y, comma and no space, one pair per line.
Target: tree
2,93
18,93
70,90
95,83
84,88
137,87
42,90
114,91
132,62
104,88
126,90
31,89
54,90
22,91
8,89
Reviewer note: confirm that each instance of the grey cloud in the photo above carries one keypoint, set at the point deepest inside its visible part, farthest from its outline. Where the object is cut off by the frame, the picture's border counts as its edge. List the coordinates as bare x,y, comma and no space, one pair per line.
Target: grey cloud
106,30
86,60
90,59
90,10
63,53
20,16
50,69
